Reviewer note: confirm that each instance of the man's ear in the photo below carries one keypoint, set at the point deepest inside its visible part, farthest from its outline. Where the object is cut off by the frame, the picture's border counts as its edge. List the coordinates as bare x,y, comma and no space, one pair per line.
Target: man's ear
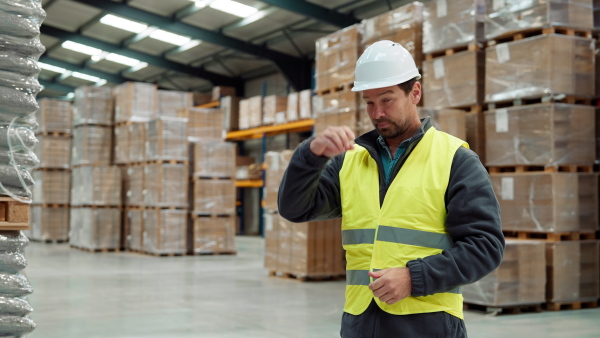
416,93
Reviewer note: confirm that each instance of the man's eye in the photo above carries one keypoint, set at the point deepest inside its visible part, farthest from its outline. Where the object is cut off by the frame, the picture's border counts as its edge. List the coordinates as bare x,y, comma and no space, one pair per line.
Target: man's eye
387,100
369,103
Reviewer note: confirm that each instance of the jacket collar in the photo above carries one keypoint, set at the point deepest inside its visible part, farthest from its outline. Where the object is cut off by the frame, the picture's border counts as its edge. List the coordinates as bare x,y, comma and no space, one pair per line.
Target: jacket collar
369,139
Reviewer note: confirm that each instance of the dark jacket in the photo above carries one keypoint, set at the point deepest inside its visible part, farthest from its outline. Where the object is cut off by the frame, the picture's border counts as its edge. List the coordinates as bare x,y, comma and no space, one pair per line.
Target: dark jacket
310,190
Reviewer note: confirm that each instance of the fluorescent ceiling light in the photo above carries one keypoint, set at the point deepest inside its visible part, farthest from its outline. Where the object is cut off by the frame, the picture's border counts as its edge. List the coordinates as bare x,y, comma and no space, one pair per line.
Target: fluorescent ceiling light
189,45
169,37
81,48
86,77
137,67
102,82
118,22
122,59
51,68
199,3
70,95
233,7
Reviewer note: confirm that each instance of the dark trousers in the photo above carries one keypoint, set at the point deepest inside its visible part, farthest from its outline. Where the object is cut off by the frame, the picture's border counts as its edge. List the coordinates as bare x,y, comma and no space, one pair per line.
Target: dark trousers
376,323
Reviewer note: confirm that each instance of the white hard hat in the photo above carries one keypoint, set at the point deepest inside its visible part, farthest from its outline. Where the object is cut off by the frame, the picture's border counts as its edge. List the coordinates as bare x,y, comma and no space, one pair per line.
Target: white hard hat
383,64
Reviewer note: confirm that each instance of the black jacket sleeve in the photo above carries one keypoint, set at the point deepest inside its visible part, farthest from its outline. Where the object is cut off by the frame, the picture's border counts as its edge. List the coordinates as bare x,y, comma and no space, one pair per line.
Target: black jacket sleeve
473,222
310,188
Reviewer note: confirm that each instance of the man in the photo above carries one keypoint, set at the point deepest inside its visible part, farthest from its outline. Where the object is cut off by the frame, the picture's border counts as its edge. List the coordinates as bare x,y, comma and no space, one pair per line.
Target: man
419,215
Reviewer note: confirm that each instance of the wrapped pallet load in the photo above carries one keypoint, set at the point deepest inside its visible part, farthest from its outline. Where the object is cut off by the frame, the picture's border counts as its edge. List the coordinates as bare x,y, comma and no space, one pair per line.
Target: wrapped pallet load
20,49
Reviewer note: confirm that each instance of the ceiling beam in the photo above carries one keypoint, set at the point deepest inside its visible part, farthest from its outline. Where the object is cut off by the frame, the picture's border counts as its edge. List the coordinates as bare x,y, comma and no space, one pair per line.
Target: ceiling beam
186,11
88,71
251,19
56,86
313,11
216,79
285,62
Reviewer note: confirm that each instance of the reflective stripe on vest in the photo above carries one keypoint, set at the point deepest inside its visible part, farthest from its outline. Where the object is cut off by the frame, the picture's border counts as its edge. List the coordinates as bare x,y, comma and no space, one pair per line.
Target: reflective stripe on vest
409,224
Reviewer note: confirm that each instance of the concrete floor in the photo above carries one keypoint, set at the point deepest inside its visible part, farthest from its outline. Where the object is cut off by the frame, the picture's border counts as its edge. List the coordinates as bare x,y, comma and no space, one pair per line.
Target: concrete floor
78,294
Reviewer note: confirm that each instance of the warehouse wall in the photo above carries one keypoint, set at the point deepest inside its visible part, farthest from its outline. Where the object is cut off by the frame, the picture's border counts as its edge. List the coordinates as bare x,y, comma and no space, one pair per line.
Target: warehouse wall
276,85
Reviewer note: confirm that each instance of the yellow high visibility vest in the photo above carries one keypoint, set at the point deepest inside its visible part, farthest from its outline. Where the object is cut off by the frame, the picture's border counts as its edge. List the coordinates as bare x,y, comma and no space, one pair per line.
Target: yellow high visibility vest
409,225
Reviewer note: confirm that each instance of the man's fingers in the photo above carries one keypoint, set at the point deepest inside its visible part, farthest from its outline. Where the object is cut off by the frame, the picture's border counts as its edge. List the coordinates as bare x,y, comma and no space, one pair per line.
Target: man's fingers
334,143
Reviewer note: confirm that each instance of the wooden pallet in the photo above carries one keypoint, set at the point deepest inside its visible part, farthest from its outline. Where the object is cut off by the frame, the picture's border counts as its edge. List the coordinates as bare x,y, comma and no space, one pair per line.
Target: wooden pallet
169,207
472,109
342,87
527,33
53,133
509,309
73,166
540,168
559,98
51,205
14,215
196,214
451,51
156,254
120,207
215,253
50,241
52,169
549,236
163,162
307,278
81,124
216,178
97,250
559,306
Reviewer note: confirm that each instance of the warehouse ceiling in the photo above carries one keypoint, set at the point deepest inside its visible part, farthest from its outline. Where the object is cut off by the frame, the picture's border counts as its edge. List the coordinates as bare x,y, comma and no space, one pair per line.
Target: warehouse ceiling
188,45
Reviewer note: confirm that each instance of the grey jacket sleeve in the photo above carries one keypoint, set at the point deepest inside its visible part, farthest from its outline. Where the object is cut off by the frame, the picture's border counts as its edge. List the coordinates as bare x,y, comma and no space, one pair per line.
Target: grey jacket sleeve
473,222
310,188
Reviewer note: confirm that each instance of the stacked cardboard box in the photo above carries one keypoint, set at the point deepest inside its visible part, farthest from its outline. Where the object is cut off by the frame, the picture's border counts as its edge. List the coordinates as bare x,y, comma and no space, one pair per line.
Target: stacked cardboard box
274,109
299,106
557,64
219,92
276,164
165,231
402,25
510,16
451,121
95,217
50,210
305,250
450,24
170,102
336,56
230,106
135,101
519,280
336,109
203,124
214,198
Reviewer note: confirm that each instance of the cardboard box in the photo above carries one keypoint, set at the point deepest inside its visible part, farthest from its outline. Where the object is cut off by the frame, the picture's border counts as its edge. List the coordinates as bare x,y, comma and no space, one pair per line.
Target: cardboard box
134,229
336,56
51,187
272,106
244,121
335,103
204,124
166,139
93,105
91,145
133,187
344,119
214,197
293,107
255,111
165,231
305,108
95,228
230,105
402,25
137,141
96,186
53,151
166,185
170,102
135,101
572,269
449,24
214,234
547,202
276,163
451,121
557,64
454,81
547,134
201,98
49,223
520,279
304,249
54,116
221,91
121,141
476,135
509,16
214,159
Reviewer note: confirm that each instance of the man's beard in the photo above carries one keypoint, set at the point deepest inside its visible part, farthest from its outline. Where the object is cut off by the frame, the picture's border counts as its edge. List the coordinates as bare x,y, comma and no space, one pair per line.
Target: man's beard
391,131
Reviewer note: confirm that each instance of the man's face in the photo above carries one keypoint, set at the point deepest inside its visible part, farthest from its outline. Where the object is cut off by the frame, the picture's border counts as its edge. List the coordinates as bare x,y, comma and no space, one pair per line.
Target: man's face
389,110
